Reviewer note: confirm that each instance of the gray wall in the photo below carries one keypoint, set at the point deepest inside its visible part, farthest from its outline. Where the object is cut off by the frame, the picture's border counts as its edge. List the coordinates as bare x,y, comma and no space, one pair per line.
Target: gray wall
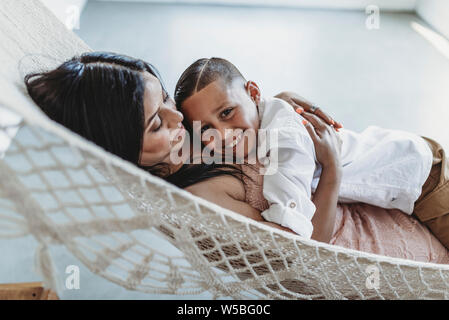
391,77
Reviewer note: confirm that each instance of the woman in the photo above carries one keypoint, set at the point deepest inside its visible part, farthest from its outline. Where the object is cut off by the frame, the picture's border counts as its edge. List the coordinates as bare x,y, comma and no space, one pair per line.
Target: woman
121,104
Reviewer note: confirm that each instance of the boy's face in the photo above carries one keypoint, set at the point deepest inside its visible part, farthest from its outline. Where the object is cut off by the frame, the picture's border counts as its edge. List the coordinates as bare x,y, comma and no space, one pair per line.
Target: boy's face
229,109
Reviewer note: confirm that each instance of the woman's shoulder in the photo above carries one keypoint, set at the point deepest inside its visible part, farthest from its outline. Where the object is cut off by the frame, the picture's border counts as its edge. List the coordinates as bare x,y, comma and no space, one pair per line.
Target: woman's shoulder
219,186
227,192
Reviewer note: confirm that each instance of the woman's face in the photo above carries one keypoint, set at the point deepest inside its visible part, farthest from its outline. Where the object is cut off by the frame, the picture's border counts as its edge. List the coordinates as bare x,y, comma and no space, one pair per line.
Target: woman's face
163,129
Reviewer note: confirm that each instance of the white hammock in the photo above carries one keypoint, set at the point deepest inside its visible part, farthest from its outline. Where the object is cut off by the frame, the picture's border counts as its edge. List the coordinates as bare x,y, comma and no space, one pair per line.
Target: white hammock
113,216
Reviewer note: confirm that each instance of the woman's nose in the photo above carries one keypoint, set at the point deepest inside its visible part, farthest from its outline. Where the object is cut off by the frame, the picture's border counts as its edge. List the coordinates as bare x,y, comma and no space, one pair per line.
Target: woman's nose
171,103
174,117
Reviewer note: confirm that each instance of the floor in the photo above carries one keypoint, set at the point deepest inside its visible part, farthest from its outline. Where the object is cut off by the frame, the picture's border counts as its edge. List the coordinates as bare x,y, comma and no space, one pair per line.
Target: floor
390,77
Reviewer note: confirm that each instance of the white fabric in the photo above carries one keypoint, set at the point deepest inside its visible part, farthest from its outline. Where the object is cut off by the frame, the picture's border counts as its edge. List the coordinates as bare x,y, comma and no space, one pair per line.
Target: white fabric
291,156
382,167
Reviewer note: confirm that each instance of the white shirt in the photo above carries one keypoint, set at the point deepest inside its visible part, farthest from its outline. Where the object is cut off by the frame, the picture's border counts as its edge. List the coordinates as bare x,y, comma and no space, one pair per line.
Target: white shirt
382,167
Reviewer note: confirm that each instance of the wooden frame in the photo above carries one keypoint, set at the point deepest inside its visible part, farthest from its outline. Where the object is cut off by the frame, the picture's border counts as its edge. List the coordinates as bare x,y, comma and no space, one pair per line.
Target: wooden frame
26,291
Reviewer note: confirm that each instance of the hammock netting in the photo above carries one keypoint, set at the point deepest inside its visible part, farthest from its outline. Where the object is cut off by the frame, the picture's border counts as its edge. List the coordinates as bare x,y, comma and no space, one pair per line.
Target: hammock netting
117,219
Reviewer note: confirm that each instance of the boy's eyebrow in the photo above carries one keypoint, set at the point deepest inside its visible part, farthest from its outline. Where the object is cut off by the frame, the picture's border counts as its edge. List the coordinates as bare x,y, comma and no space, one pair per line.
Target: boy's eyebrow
221,106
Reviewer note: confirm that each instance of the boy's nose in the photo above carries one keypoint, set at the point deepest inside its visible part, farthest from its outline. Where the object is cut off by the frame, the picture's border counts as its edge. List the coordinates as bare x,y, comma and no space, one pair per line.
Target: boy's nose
222,131
227,135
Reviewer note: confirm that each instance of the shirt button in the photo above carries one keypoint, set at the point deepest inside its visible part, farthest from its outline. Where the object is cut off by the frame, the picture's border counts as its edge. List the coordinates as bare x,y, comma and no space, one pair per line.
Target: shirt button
292,205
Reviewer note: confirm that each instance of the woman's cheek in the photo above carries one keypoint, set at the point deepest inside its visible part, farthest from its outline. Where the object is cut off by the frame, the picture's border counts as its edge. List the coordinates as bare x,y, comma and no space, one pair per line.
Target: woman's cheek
155,144
164,142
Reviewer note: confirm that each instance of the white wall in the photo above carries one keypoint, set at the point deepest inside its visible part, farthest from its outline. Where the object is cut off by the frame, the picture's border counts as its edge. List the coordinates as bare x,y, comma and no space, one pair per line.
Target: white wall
64,9
61,8
435,13
393,5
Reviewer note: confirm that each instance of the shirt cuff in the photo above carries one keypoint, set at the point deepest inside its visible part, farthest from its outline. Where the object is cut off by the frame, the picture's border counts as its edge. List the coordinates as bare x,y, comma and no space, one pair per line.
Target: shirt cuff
289,218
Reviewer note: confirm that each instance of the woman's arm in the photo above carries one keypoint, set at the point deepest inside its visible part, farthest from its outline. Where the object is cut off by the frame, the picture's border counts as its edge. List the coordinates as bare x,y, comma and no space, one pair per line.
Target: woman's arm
228,192
327,148
298,102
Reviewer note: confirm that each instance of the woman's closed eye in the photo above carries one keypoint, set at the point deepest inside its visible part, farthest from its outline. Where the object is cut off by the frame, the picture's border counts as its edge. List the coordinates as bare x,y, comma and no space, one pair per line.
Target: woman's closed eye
158,122
157,125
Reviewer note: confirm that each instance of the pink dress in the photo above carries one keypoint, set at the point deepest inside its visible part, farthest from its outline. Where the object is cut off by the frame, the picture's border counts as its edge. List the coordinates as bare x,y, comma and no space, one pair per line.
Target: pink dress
368,228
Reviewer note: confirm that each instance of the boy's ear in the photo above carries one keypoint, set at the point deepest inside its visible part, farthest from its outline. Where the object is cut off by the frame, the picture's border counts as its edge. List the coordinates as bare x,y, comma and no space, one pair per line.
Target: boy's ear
253,90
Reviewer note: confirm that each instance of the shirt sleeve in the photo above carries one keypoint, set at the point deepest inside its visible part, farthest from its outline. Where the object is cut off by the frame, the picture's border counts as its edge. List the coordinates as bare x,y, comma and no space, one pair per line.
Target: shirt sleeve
288,188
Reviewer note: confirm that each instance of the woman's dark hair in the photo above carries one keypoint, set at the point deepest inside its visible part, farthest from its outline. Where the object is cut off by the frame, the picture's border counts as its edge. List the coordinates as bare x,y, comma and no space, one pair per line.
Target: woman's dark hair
99,95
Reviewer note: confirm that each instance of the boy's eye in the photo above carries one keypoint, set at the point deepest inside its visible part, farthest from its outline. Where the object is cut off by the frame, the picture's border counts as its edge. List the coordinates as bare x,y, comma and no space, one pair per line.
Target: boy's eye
226,112
204,129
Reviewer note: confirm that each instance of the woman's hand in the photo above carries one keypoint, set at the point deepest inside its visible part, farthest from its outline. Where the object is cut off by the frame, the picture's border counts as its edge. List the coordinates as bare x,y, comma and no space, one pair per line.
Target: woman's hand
298,102
326,141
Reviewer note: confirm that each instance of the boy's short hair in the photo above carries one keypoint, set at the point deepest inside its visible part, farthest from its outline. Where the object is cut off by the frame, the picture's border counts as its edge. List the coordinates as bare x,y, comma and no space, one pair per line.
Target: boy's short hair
203,72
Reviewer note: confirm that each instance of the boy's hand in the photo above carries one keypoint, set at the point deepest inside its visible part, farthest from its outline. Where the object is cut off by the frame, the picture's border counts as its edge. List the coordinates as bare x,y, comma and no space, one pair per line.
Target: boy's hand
299,103
327,142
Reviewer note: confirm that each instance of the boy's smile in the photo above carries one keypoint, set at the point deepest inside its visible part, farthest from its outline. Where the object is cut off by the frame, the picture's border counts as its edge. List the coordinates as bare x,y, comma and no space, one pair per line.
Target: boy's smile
228,109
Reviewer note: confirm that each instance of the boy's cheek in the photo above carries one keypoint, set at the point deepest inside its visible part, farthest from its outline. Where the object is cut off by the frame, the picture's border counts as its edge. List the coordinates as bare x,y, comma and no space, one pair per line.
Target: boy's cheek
188,122
246,147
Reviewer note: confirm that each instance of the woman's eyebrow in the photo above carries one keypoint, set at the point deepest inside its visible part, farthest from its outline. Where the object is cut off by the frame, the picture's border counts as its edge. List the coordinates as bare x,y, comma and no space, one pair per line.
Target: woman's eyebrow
152,117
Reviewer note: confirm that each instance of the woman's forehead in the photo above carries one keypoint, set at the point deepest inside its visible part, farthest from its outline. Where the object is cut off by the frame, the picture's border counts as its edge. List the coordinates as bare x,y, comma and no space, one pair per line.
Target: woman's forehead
153,89
152,95
151,80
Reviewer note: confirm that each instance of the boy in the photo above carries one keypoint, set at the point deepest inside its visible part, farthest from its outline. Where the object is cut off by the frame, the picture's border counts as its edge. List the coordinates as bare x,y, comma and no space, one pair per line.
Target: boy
382,167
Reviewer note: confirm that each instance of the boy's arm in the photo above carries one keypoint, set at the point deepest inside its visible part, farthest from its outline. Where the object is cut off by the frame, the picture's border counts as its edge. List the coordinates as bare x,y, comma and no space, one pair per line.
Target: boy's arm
287,151
328,148
287,182
325,199
288,190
